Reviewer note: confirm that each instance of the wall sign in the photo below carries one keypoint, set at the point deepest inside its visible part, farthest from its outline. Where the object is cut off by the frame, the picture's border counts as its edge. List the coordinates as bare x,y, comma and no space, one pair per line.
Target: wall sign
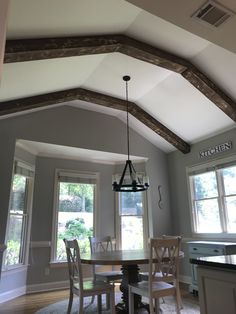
215,150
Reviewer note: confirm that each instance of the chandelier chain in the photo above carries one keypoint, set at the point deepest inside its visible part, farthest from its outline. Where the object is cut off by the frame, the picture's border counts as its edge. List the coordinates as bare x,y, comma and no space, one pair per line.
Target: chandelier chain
127,118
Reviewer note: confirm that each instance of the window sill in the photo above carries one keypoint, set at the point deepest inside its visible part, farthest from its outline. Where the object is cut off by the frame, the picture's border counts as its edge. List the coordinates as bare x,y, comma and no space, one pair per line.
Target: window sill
14,269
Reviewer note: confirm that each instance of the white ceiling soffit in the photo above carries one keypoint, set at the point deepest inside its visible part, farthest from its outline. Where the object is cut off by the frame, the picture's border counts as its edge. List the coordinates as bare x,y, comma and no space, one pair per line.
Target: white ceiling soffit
180,14
74,153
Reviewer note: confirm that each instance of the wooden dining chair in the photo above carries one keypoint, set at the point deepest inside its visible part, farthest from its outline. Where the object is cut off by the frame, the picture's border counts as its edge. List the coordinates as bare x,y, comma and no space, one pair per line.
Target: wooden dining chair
164,259
84,288
171,278
104,244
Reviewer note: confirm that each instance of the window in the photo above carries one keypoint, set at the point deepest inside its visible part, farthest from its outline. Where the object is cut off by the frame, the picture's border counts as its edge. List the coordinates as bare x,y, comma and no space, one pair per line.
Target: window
213,199
132,220
19,214
74,210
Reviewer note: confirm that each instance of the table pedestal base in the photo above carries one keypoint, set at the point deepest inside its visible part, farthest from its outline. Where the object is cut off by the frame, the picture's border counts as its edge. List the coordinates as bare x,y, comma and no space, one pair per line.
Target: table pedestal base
130,275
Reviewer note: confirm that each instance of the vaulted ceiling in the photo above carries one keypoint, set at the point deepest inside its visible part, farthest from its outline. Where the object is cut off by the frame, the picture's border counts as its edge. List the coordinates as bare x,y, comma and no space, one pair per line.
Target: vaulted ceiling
58,52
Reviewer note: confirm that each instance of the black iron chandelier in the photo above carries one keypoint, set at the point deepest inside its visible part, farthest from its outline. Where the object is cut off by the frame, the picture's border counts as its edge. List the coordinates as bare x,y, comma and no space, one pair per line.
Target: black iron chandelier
129,180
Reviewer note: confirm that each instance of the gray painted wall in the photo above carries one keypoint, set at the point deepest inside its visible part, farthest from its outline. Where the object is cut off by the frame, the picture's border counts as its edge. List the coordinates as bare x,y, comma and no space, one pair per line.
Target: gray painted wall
77,128
177,164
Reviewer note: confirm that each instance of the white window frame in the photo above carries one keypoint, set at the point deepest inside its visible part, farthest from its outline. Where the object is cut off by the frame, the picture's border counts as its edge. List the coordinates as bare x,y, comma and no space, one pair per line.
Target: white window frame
118,220
214,165
25,169
71,173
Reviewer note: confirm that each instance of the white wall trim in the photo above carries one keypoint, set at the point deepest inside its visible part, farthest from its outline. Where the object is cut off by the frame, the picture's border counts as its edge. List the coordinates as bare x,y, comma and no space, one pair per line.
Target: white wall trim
40,244
47,286
12,294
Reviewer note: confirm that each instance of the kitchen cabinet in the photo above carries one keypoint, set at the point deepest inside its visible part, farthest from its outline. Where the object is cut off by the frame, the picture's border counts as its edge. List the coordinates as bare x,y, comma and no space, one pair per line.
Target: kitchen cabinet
207,248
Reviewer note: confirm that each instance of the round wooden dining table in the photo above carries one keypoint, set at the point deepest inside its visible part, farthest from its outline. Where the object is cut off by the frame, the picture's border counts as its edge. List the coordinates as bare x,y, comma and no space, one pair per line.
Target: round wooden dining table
129,261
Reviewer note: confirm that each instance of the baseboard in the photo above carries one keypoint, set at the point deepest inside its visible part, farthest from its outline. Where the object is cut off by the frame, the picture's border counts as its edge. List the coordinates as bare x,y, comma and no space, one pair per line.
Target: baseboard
47,286
12,294
50,286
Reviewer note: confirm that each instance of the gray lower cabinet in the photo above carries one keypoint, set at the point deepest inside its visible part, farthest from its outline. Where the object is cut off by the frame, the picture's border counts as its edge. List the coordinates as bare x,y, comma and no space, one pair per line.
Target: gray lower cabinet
207,248
216,290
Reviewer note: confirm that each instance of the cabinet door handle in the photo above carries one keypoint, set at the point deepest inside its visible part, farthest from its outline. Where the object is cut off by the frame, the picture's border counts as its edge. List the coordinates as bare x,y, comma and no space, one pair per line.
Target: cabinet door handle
195,249
216,251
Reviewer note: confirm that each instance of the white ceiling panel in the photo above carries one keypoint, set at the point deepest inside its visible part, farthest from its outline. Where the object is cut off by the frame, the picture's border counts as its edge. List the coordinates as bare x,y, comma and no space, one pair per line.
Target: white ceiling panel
180,13
220,66
107,78
163,94
44,18
184,110
24,79
156,31
93,107
147,133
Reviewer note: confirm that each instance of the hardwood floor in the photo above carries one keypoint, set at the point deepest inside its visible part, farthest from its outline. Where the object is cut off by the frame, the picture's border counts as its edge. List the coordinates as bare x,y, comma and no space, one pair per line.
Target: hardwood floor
29,304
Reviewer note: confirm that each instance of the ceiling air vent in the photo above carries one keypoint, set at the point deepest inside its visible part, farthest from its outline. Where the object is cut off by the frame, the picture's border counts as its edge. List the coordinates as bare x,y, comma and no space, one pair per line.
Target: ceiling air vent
213,14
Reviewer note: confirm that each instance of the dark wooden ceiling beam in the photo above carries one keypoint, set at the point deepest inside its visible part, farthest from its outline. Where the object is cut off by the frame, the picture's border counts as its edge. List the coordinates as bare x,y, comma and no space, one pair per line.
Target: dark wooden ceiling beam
46,48
29,103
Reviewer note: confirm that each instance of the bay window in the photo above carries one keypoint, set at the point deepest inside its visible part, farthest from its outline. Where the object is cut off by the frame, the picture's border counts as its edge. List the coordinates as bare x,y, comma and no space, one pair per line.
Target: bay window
19,216
213,198
74,212
131,226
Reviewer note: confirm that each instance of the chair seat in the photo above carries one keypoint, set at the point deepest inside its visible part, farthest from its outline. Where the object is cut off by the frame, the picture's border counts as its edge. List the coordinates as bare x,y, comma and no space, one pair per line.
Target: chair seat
163,288
109,275
91,285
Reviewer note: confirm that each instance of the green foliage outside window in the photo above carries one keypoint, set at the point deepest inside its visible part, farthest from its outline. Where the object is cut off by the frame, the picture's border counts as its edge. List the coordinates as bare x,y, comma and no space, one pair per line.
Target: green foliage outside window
13,249
74,229
76,197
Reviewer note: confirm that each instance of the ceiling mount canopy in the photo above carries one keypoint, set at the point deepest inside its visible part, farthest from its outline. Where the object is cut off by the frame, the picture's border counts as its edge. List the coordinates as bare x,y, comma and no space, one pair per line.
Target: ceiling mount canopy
129,181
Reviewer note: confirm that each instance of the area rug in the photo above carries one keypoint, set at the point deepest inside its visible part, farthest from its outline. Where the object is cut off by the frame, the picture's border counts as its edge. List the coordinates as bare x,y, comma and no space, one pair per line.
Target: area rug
168,307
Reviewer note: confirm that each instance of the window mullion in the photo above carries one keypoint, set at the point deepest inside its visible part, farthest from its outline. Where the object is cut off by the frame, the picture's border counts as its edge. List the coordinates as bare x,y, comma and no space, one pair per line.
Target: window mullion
194,210
221,201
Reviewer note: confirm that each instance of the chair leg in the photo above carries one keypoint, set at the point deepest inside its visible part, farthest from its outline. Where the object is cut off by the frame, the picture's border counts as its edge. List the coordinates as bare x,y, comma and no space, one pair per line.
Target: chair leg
81,305
177,305
131,301
178,296
107,300
70,302
112,301
157,305
151,307
99,303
